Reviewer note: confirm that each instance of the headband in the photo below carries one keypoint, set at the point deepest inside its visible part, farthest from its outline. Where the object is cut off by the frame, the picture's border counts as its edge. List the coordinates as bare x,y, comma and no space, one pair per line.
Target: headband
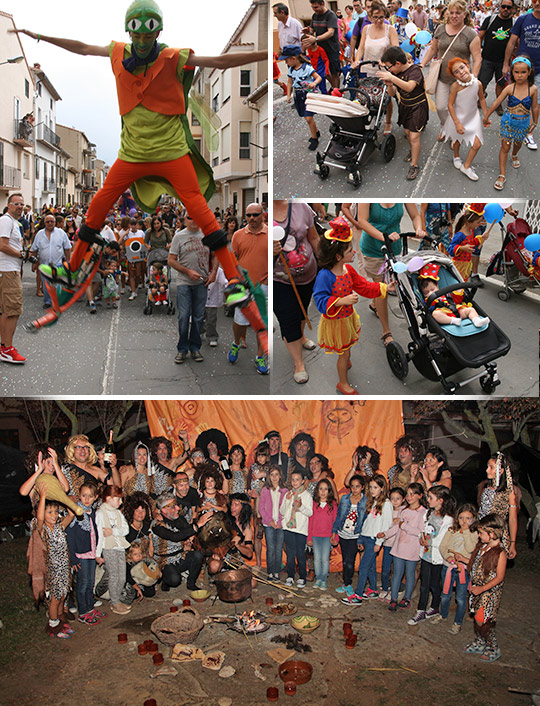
523,60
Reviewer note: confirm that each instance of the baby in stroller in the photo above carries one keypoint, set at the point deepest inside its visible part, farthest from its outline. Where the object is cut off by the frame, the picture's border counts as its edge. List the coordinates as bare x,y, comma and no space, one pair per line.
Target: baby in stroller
451,309
158,285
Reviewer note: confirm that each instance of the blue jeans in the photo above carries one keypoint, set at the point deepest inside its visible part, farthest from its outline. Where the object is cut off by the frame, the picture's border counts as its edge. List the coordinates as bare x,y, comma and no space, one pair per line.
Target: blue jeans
321,557
386,566
367,571
84,588
46,296
461,595
274,549
402,566
191,303
295,547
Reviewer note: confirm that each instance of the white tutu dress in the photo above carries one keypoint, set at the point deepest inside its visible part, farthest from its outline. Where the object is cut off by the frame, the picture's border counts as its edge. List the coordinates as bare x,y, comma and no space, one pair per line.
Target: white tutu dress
468,115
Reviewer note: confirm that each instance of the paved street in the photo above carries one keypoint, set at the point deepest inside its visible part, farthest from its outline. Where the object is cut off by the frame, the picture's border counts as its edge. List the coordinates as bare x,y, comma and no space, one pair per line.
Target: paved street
294,163
121,352
371,374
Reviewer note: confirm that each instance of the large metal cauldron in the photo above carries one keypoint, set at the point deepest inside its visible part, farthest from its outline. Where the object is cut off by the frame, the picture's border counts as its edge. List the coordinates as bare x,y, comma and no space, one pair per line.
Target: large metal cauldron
233,586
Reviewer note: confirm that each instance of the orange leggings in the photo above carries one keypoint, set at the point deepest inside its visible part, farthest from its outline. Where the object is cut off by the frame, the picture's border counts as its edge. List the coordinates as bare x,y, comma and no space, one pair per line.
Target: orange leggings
179,172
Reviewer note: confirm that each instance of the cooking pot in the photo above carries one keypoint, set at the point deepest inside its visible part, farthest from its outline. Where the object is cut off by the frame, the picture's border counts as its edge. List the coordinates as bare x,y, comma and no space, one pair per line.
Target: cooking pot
233,586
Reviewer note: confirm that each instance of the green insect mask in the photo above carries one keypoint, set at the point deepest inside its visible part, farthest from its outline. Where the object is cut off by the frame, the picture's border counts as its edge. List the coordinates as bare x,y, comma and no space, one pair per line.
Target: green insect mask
144,17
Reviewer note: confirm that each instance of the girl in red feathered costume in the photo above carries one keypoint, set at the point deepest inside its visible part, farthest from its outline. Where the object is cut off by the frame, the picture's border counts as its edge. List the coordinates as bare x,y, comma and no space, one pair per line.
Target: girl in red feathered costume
335,292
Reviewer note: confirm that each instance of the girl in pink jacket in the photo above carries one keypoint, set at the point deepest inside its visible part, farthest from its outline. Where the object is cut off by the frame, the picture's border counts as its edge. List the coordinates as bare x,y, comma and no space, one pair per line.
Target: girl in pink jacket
319,530
269,509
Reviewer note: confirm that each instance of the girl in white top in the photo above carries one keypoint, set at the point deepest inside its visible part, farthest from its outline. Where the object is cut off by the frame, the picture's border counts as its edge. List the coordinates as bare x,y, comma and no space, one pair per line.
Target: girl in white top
378,520
111,548
464,124
296,509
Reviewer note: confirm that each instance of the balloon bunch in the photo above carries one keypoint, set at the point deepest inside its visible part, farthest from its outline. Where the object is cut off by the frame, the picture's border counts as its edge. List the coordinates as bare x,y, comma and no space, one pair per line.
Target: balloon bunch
415,37
414,264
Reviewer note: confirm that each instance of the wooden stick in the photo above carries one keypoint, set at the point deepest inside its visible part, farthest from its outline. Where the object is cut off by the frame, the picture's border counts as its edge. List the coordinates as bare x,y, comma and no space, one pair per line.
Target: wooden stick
245,634
306,317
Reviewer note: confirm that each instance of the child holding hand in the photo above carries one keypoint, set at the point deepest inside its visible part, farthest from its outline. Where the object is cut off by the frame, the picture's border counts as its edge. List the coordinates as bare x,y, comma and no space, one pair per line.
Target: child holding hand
464,123
407,80
516,123
335,292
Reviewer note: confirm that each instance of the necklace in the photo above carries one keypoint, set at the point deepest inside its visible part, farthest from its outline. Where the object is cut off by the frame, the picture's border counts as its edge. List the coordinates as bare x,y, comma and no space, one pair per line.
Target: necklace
465,83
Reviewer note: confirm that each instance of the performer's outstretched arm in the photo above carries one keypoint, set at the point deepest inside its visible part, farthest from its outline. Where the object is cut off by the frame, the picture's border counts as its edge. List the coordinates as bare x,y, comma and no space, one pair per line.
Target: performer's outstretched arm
71,45
228,61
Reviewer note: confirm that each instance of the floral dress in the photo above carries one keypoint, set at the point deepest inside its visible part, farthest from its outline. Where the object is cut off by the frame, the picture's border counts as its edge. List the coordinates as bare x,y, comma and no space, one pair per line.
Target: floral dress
58,565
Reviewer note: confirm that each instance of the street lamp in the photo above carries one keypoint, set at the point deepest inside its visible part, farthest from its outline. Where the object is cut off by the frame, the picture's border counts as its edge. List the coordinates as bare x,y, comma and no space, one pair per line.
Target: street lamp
14,60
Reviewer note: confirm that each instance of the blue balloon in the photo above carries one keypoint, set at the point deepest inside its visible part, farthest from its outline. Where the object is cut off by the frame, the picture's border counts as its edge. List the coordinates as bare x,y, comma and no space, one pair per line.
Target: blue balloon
351,24
399,267
532,242
493,213
407,46
348,36
423,37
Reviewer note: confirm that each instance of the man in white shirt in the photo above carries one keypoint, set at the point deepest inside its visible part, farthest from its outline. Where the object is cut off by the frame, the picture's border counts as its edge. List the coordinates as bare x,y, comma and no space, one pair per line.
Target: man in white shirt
11,295
289,29
52,247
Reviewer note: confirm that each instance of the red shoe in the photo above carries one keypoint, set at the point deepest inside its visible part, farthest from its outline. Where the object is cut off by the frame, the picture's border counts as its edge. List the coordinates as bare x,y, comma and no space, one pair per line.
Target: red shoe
11,355
98,613
339,388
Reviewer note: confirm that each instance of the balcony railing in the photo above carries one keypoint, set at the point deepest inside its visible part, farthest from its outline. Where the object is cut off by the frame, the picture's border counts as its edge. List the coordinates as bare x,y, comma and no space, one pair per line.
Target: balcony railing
45,134
49,185
23,133
10,177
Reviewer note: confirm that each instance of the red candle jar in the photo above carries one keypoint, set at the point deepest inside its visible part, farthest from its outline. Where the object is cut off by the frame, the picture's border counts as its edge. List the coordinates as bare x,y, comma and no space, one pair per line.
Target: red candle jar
347,629
122,638
350,642
148,644
354,639
142,649
186,602
158,658
290,688
150,702
272,693
153,649
173,608
269,601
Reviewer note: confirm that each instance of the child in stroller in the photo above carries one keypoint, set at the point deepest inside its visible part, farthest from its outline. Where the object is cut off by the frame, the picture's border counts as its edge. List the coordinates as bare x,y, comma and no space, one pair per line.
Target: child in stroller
158,278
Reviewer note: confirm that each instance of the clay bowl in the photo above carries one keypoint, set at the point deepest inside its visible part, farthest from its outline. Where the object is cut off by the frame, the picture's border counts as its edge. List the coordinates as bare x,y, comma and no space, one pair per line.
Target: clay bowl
305,623
200,596
294,670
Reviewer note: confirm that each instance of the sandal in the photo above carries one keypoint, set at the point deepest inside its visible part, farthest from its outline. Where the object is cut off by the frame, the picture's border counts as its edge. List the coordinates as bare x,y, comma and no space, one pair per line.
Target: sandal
408,157
413,172
387,338
373,310
440,137
515,161
499,183
490,654
475,648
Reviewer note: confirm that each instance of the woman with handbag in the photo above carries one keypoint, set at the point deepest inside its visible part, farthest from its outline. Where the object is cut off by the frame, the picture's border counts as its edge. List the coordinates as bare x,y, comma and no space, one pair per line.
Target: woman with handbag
295,269
455,38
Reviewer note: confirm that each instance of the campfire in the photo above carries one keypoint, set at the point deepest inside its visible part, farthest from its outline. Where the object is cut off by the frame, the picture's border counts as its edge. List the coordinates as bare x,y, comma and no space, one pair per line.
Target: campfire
250,623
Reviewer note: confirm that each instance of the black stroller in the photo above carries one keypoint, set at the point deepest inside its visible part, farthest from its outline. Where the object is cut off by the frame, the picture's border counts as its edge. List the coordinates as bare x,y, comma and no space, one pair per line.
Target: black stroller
355,126
439,351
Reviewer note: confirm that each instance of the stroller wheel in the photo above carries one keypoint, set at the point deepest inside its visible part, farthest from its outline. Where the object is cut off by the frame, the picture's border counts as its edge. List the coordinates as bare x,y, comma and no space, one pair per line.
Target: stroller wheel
354,179
148,310
388,147
504,295
323,172
397,360
171,310
487,384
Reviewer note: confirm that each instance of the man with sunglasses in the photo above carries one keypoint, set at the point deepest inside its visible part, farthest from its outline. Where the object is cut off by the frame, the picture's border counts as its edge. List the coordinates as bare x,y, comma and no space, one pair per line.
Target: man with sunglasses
250,245
494,35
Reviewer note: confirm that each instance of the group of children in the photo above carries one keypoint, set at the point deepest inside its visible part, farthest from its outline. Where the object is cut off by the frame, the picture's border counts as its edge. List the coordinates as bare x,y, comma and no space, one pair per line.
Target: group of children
463,126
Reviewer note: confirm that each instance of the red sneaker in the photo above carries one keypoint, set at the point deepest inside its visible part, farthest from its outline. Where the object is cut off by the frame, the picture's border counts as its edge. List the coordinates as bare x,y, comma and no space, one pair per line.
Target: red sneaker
11,355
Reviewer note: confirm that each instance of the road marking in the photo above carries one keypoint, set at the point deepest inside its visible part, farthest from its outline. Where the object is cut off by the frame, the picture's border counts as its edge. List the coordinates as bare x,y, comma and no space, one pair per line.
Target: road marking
427,172
110,362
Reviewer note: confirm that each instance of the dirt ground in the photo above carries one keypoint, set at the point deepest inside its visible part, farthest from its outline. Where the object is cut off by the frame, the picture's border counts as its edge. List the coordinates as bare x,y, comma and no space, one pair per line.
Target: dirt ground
422,665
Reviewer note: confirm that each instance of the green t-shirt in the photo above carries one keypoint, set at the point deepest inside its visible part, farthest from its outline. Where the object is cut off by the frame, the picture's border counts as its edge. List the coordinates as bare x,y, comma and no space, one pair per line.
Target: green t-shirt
387,220
148,136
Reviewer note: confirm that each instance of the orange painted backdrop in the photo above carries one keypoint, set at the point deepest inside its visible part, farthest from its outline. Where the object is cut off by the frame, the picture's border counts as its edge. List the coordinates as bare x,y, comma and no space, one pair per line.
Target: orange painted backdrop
338,427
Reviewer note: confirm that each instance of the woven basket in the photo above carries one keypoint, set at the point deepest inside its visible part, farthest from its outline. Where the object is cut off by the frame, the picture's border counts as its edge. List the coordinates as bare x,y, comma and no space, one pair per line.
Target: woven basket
183,626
